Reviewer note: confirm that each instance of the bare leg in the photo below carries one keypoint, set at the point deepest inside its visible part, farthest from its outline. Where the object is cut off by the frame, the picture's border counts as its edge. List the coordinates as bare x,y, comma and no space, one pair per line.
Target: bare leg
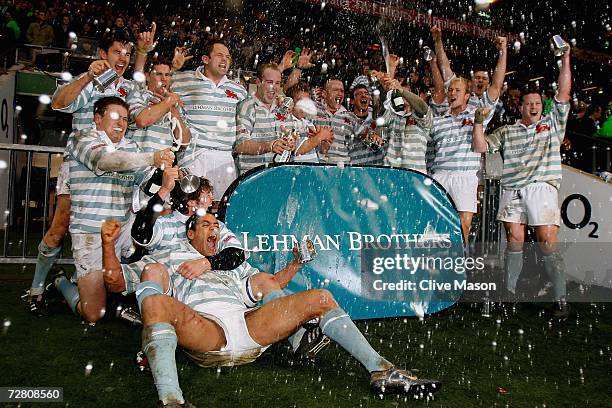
92,293
466,224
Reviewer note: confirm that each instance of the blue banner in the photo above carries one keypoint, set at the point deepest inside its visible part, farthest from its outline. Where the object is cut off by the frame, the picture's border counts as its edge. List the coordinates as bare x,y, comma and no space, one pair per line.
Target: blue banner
353,214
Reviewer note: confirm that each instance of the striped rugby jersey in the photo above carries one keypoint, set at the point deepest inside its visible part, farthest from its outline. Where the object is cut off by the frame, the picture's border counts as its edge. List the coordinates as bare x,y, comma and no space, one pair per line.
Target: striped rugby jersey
211,291
170,235
210,109
342,124
257,123
407,137
452,139
97,195
532,153
157,136
82,108
358,151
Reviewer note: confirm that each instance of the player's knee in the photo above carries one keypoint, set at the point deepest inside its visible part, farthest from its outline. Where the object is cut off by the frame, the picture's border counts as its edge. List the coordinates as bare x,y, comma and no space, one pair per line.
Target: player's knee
265,283
92,314
114,281
323,300
154,272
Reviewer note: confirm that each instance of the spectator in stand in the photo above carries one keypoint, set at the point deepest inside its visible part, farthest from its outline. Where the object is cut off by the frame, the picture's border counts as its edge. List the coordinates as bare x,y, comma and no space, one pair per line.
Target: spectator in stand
62,32
11,24
590,123
40,32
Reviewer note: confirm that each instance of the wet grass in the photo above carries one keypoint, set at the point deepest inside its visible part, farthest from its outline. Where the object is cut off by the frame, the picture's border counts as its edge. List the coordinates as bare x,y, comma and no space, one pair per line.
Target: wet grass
533,364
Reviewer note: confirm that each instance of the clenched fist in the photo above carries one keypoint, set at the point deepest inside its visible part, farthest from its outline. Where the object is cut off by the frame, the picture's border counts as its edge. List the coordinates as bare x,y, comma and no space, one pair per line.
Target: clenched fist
110,231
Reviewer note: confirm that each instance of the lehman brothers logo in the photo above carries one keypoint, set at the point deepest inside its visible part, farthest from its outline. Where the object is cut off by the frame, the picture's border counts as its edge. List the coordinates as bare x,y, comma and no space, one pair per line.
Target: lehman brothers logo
356,241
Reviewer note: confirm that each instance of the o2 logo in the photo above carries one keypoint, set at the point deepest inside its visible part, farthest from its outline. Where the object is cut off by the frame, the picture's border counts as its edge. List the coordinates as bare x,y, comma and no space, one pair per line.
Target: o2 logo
4,117
586,218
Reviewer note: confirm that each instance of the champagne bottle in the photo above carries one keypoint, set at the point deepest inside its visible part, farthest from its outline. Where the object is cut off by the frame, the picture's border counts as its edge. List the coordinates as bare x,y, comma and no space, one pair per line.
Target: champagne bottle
397,101
155,182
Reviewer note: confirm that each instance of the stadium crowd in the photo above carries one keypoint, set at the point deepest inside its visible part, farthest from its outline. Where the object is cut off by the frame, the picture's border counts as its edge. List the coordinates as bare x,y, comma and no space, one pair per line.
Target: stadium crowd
152,153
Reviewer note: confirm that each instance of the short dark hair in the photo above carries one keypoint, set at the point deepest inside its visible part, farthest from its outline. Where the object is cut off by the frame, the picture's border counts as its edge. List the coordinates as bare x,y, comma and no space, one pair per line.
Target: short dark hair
211,44
529,92
180,199
357,87
102,104
192,221
112,36
159,60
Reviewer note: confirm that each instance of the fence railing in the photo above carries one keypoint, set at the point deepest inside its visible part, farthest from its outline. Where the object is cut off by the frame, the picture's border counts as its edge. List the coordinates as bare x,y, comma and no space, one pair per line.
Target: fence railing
27,176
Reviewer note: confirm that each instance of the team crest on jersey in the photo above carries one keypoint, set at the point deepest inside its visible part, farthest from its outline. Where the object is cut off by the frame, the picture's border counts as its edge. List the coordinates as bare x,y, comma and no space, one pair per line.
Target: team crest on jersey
347,121
411,121
467,122
280,116
231,94
123,92
542,127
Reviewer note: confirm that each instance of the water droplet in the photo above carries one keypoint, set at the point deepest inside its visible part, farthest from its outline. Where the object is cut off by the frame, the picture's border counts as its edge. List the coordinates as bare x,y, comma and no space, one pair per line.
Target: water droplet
139,76
44,99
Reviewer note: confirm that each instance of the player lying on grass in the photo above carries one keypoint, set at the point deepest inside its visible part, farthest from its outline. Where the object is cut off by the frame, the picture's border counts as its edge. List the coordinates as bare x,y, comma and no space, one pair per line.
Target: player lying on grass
207,316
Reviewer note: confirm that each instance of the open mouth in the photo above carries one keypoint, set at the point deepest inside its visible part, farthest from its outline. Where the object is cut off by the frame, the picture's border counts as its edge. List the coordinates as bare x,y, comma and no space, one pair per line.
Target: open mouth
363,101
452,100
118,129
211,243
119,67
223,66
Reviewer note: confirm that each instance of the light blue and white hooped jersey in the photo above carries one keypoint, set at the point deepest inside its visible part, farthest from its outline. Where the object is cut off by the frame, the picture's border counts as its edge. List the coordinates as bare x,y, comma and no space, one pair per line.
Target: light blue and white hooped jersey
532,153
407,138
82,108
169,231
342,124
97,195
452,139
210,109
170,235
211,291
255,122
358,149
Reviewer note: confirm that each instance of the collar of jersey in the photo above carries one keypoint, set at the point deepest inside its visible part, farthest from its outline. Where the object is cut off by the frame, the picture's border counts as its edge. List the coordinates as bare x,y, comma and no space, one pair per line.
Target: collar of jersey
263,106
181,217
340,109
199,73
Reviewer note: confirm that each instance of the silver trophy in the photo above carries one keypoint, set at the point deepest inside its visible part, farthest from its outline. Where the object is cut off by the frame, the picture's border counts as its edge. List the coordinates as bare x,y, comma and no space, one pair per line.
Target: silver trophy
306,251
558,45
289,135
189,182
104,80
428,54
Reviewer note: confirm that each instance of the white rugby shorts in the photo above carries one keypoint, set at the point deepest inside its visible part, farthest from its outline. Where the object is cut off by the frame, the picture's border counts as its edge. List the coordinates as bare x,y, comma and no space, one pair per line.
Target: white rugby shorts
535,204
462,186
87,250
